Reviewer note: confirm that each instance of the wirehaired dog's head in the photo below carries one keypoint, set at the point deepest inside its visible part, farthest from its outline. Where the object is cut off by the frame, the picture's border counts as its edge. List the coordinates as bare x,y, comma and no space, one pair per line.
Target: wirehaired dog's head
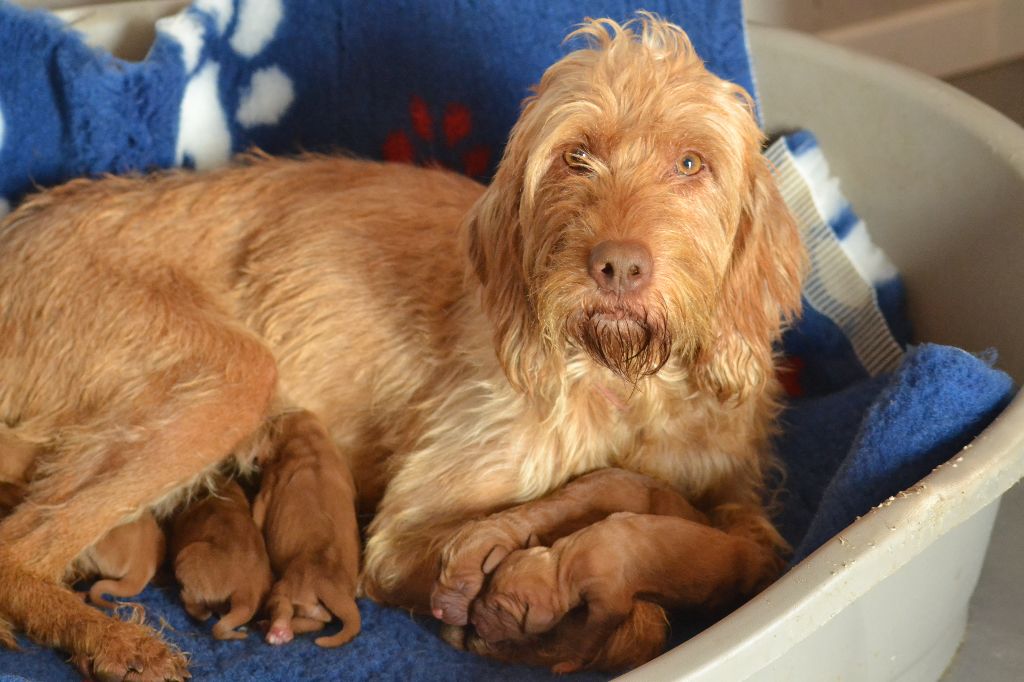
634,219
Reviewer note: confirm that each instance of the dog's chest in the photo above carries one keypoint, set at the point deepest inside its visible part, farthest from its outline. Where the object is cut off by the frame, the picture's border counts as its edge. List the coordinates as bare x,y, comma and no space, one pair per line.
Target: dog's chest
604,421
660,428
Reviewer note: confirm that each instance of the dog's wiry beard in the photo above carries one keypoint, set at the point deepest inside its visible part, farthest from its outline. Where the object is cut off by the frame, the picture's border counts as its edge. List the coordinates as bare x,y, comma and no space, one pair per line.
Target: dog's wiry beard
633,344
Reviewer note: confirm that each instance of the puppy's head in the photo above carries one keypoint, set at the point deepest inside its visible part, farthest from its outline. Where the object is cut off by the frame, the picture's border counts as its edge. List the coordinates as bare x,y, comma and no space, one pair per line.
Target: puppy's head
521,599
634,219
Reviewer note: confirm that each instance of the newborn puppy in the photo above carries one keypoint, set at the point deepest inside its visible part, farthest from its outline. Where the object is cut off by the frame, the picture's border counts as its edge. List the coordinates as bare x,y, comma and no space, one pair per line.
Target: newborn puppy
220,559
305,509
671,561
126,558
638,639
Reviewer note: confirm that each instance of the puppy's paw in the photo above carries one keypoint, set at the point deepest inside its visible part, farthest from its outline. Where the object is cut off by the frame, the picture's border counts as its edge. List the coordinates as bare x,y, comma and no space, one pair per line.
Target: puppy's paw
472,553
279,632
305,602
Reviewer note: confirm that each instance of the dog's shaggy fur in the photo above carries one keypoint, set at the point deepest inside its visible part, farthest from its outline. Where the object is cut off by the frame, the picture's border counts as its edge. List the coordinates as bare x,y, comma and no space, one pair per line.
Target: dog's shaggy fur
448,336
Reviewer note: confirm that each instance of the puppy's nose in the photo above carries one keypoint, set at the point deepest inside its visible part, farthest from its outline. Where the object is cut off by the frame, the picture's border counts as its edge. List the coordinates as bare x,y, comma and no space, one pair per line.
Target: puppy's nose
621,267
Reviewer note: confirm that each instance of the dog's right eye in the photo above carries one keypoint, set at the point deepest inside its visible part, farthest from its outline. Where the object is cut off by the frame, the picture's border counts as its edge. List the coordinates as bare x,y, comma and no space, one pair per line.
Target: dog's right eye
578,160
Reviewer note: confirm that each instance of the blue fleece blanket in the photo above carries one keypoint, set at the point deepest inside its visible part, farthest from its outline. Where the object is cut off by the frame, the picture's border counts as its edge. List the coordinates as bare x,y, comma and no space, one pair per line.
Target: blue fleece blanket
441,82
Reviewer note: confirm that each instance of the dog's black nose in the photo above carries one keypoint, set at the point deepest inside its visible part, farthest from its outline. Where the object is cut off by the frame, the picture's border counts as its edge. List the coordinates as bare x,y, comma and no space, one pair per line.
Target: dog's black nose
621,267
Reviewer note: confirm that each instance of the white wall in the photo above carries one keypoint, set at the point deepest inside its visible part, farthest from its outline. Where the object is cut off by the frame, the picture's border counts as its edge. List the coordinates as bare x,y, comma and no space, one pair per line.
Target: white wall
820,15
940,37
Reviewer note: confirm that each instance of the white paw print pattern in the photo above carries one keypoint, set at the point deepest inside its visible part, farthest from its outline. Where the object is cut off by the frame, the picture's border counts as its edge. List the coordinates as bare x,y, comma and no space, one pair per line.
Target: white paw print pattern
266,99
257,21
204,135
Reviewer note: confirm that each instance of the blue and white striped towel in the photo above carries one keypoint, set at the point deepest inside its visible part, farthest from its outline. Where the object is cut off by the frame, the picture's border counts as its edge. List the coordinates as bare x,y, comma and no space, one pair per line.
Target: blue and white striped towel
853,325
872,419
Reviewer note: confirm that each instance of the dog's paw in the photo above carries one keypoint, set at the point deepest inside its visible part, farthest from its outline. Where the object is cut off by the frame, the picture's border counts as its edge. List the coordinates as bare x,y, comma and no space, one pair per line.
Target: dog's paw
472,553
134,653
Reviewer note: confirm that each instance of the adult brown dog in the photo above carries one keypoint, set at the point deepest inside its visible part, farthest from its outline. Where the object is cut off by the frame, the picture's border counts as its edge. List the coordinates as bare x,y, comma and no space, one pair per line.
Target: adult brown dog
610,300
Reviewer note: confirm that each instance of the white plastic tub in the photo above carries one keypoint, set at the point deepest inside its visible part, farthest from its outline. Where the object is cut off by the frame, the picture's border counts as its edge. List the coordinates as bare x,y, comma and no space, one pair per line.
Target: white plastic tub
939,179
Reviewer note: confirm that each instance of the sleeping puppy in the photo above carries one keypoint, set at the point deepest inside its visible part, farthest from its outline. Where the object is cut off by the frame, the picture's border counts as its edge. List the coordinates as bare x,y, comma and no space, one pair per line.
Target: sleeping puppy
606,567
304,508
126,558
220,559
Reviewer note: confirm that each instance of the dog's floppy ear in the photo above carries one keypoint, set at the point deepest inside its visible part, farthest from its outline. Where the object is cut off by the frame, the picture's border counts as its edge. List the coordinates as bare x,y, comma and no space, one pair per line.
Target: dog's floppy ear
494,240
761,290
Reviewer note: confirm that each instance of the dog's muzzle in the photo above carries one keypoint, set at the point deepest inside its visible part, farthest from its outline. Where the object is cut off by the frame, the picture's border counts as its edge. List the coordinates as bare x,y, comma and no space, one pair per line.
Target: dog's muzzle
632,343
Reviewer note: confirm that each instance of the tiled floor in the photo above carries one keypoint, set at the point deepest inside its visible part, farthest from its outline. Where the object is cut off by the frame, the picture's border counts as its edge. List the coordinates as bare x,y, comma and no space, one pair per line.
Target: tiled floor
993,648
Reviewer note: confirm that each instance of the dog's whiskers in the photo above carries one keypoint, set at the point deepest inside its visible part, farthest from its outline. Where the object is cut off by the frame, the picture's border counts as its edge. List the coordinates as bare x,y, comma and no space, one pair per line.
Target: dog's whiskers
632,346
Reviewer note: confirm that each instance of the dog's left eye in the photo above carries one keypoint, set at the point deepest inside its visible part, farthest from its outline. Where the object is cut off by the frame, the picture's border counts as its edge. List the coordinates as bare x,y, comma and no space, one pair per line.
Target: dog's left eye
690,163
578,160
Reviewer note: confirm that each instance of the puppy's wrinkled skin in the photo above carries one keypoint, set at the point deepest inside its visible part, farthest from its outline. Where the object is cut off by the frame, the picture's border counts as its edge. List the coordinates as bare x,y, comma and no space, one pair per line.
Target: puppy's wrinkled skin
638,639
126,559
304,507
220,559
453,340
606,566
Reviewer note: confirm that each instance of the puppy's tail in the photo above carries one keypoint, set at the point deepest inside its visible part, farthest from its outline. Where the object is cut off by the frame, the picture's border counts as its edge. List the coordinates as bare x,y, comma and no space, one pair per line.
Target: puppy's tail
243,608
344,607
102,587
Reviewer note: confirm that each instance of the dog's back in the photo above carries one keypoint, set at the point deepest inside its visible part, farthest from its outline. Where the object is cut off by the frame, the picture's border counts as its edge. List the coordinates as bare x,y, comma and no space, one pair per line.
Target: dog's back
303,253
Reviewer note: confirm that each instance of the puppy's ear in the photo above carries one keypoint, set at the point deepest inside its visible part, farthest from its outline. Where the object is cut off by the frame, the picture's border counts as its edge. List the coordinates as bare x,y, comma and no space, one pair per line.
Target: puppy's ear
493,235
761,291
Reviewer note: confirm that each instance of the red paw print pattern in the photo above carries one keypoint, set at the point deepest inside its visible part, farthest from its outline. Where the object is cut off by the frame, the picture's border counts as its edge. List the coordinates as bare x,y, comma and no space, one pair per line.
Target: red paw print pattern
420,146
